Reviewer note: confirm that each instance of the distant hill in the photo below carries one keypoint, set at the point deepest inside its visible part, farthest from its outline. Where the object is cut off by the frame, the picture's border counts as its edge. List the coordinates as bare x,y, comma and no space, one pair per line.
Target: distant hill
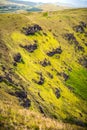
16,5
52,7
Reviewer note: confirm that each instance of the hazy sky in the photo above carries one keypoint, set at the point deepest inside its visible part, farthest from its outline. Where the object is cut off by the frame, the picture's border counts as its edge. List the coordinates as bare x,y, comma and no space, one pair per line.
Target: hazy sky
64,1
73,2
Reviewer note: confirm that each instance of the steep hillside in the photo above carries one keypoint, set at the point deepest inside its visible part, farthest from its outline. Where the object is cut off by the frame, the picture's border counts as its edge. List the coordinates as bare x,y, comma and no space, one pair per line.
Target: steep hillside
43,70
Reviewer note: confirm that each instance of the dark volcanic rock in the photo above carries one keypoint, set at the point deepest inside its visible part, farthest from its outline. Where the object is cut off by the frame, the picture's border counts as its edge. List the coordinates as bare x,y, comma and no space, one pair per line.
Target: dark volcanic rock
41,109
45,63
80,123
18,57
9,78
57,93
79,29
31,30
50,75
41,81
83,61
27,103
1,78
80,48
83,24
55,51
64,75
30,48
21,94
71,38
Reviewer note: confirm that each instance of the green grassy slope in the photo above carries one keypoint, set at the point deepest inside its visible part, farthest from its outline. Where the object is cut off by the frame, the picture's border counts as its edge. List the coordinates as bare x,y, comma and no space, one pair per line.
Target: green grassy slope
62,95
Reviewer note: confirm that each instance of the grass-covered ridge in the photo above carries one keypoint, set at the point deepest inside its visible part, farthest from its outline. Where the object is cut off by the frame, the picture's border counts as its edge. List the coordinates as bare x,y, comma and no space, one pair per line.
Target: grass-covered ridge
45,72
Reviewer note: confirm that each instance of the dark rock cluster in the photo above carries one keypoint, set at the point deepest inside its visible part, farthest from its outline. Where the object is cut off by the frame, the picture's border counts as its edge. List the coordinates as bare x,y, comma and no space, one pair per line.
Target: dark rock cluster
71,38
30,48
50,75
80,48
22,95
64,75
57,93
45,63
1,78
31,30
80,28
18,57
41,79
54,51
83,24
41,109
83,61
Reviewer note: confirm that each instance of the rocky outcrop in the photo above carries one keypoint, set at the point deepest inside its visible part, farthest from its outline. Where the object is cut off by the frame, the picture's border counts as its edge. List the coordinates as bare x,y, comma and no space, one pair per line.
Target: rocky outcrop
57,93
71,38
50,75
54,51
80,48
22,95
1,78
83,24
80,28
41,79
41,109
63,75
18,57
26,103
45,63
31,30
83,61
30,48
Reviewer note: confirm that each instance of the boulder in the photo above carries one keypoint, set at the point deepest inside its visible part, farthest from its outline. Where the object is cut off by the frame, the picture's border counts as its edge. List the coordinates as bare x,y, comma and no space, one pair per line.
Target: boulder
80,48
83,24
83,61
57,93
1,78
54,51
32,29
26,103
64,75
18,57
79,29
50,75
71,38
45,63
21,94
41,109
30,48
41,81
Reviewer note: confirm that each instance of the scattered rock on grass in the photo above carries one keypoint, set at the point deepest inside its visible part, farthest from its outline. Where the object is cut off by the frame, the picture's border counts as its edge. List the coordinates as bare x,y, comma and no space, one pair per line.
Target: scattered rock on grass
54,51
31,30
71,38
30,48
45,63
18,57
21,94
57,93
1,78
26,103
83,61
79,29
